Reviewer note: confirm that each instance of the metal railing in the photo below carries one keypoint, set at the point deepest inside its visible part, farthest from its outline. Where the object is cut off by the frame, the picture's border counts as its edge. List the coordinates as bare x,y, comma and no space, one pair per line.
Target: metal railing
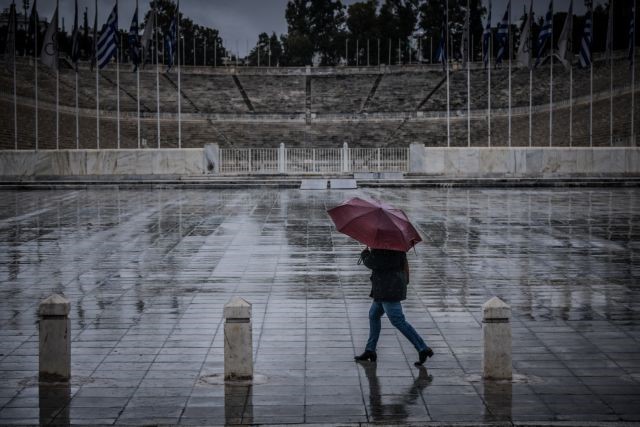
310,161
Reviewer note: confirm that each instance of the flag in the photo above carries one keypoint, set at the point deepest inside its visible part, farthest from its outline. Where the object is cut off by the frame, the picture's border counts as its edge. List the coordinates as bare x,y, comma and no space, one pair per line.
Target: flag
10,47
486,37
585,43
134,41
94,48
147,35
545,33
34,29
565,42
632,31
107,46
609,44
170,40
49,52
503,34
526,41
75,39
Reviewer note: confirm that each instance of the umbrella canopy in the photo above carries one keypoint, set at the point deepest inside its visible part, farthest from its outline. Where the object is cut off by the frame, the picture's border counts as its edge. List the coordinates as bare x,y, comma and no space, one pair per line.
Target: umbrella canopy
375,224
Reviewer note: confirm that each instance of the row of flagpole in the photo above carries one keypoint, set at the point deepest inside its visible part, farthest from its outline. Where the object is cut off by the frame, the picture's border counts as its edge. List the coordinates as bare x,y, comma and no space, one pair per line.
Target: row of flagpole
106,47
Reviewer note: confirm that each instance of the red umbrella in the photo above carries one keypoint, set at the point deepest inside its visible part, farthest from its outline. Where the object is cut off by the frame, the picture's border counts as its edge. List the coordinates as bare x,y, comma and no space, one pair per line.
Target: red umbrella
375,224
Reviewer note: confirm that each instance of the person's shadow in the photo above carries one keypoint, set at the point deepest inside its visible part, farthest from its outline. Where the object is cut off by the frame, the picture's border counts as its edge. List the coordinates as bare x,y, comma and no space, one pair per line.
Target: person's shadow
397,410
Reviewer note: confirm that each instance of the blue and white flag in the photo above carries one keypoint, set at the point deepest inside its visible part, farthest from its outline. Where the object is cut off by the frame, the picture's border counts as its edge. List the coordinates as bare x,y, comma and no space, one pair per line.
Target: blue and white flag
632,32
503,34
486,38
134,41
545,33
107,46
585,44
170,40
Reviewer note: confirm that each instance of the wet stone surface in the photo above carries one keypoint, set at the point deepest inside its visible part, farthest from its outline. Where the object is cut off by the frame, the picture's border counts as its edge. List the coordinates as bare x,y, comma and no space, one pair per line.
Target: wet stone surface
148,273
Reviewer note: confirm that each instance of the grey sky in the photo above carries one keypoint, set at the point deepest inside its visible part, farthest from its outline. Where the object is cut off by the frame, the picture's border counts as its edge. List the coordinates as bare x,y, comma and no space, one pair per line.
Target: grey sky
240,21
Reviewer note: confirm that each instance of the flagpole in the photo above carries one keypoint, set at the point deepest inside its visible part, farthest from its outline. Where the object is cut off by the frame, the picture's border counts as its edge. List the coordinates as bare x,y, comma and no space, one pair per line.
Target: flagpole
77,116
591,57
510,48
95,54
15,92
610,49
468,77
57,84
446,59
35,57
489,90
140,62
530,102
551,85
571,102
633,76
118,48
155,23
179,67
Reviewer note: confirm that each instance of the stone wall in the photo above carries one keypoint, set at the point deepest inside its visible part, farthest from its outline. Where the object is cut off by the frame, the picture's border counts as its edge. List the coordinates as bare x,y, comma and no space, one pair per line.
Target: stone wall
525,162
498,162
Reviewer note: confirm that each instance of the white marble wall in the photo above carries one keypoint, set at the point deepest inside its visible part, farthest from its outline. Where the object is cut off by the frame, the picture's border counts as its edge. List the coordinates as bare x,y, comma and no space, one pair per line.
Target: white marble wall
441,162
103,162
526,162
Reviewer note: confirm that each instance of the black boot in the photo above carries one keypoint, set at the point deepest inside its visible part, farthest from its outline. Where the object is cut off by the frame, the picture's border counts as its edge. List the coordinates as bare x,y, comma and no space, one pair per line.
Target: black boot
423,356
367,355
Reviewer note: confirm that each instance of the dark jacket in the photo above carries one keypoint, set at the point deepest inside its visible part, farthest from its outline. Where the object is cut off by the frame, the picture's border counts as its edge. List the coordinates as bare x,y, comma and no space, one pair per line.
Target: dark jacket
388,279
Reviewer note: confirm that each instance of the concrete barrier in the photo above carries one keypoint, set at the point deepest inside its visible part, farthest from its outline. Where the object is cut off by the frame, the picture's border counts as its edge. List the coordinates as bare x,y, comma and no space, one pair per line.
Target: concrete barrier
55,339
496,332
238,347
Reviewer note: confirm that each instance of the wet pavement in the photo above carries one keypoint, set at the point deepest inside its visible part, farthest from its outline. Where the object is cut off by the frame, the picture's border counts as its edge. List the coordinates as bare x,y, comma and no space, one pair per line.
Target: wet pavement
148,272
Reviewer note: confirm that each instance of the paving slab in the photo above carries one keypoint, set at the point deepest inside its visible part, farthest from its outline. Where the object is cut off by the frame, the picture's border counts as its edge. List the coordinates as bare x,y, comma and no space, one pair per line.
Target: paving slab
148,272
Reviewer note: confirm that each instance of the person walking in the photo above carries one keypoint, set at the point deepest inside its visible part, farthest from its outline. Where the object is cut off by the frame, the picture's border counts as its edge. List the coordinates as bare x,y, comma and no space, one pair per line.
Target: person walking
389,280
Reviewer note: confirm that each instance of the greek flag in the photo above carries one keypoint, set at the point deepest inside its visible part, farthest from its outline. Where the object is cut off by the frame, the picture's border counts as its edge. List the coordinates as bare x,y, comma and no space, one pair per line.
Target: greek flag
632,32
170,41
134,41
108,41
585,44
486,37
503,34
545,33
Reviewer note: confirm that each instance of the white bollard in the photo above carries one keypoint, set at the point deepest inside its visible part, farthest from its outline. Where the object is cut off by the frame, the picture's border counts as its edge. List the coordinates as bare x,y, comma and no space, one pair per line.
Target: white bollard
496,329
238,347
55,339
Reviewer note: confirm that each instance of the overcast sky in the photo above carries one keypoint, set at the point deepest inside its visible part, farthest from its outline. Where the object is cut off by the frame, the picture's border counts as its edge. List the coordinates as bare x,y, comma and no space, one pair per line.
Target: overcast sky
240,21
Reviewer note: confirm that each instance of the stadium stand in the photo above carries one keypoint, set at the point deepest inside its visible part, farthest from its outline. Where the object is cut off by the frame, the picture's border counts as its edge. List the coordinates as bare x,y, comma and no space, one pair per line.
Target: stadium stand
366,106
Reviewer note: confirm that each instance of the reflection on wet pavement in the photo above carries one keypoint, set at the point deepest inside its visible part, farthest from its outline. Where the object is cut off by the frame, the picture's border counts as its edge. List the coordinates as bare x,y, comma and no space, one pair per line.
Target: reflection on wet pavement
148,272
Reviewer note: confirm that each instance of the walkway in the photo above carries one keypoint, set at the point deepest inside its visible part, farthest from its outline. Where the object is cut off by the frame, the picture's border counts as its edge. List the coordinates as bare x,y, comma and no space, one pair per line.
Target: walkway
148,272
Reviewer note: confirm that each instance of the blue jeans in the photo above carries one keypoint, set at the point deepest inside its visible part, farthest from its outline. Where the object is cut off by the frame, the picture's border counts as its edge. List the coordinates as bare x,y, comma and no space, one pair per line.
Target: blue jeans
396,317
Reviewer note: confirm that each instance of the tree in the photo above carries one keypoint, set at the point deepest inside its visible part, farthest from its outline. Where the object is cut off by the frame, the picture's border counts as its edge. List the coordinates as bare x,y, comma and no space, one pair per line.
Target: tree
432,17
363,25
397,23
314,26
166,9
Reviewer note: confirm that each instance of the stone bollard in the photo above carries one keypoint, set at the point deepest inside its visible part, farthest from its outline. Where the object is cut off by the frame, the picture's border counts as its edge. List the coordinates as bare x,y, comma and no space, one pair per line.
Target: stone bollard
55,339
496,330
238,347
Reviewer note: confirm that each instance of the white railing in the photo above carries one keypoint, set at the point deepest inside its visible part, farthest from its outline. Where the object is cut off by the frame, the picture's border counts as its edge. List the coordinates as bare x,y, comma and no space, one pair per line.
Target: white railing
309,161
